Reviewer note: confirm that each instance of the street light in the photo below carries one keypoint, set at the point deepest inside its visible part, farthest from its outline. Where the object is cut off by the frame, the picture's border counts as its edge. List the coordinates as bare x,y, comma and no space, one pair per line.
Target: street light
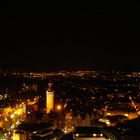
59,107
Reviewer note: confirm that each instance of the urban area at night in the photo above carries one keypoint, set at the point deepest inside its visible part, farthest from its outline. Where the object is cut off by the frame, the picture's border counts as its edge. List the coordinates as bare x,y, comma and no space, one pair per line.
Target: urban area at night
69,73
102,105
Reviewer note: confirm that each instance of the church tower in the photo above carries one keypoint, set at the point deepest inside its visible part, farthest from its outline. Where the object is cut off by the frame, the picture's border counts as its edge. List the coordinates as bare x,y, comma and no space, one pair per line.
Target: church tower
49,98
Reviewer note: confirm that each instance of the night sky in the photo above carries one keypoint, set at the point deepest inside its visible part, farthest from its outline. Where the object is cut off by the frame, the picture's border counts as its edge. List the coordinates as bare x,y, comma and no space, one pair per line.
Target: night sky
97,38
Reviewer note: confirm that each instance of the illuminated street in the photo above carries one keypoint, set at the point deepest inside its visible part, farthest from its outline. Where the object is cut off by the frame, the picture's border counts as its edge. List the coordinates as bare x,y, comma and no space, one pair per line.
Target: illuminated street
11,117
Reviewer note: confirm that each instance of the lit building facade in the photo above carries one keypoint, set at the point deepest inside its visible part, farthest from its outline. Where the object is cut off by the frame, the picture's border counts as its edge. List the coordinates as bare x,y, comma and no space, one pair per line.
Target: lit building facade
49,99
19,135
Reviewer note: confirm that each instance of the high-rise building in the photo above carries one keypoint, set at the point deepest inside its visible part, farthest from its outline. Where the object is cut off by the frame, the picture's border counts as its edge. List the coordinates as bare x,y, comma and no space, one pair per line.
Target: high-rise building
49,98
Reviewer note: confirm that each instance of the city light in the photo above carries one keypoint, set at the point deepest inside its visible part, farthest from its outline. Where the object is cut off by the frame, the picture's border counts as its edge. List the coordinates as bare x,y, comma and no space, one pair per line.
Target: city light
77,135
91,105
59,107
12,116
94,135
126,115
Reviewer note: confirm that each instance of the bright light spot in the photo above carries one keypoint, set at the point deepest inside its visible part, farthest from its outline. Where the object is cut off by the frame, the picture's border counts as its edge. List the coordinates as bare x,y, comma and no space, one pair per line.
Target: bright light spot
17,122
101,135
65,131
126,115
59,107
19,111
77,135
6,119
107,122
109,114
12,126
94,135
12,116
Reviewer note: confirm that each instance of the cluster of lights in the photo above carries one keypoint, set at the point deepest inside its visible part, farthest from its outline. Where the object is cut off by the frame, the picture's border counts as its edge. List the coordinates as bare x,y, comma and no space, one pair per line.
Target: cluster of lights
68,130
94,135
105,120
2,97
29,102
12,115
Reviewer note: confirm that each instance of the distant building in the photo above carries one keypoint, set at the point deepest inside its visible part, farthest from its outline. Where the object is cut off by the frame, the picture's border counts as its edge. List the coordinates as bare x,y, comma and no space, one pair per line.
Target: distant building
49,98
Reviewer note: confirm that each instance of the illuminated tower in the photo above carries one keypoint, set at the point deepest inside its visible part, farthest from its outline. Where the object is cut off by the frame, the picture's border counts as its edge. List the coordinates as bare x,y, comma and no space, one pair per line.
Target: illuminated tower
49,98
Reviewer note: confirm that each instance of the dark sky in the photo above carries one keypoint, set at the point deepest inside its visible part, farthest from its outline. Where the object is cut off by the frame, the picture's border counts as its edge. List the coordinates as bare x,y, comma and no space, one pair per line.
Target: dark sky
70,38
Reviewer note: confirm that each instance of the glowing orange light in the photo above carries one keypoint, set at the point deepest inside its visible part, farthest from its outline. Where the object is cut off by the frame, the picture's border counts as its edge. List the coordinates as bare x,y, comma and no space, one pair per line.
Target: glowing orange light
59,107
